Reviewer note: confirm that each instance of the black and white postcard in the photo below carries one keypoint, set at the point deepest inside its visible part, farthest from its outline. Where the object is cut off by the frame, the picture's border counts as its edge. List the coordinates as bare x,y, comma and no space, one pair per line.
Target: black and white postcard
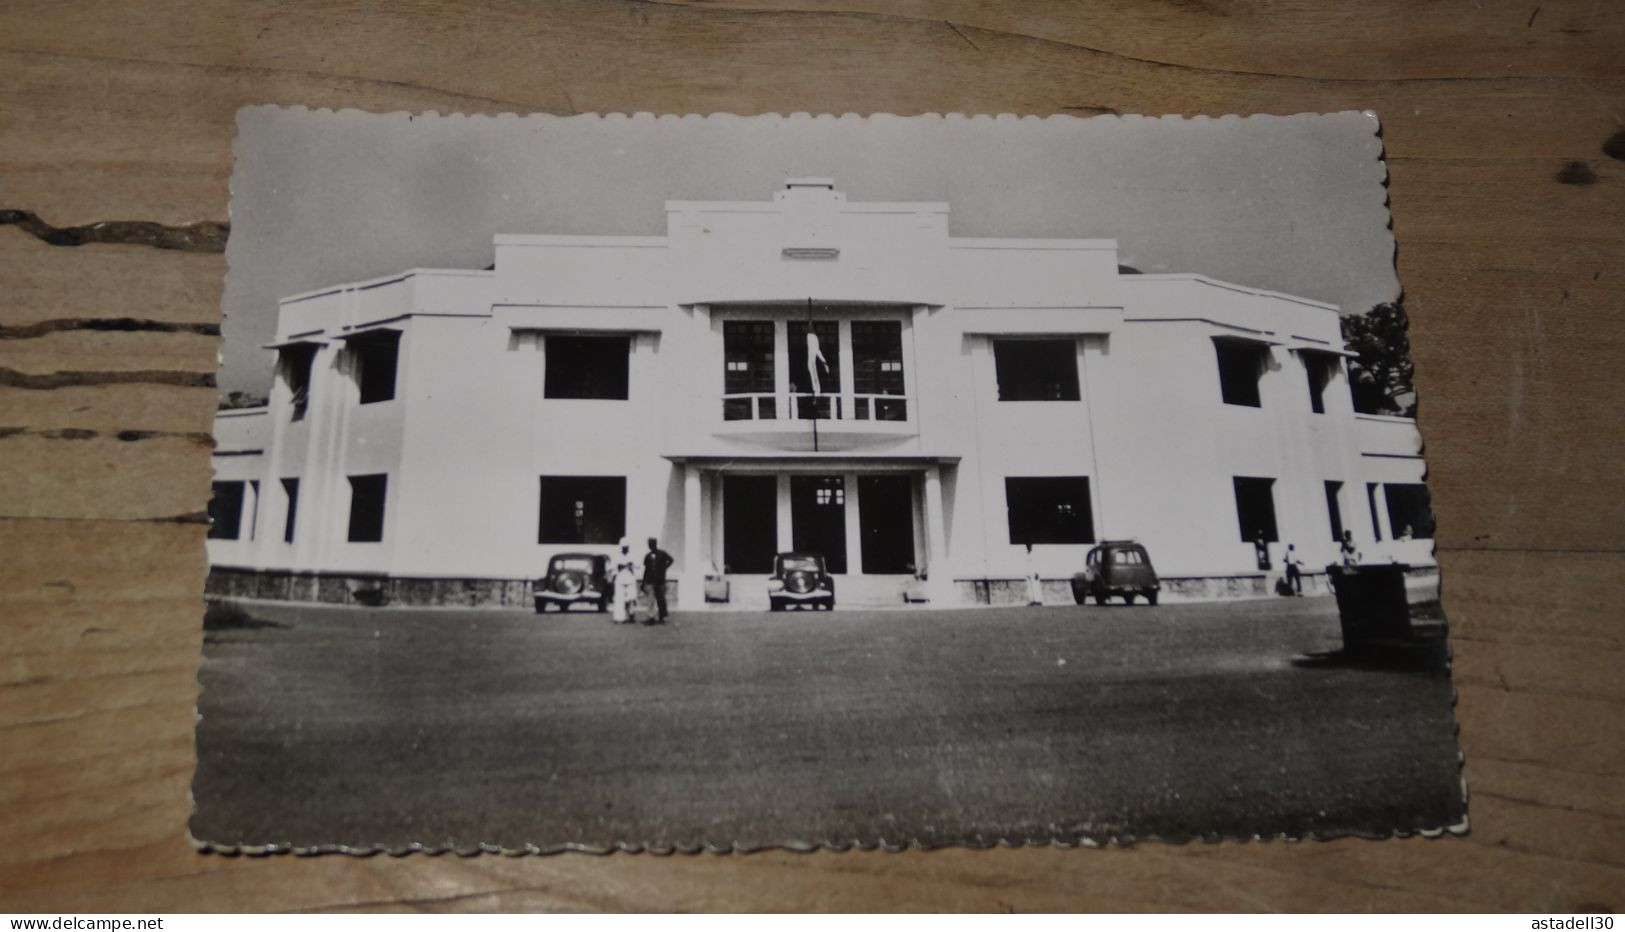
715,482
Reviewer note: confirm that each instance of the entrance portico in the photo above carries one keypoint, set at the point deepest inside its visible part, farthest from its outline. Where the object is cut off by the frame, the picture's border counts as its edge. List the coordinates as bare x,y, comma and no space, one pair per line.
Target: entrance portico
879,520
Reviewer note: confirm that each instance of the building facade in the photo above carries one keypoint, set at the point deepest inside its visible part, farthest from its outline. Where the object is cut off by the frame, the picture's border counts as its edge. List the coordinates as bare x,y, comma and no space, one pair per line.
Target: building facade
802,373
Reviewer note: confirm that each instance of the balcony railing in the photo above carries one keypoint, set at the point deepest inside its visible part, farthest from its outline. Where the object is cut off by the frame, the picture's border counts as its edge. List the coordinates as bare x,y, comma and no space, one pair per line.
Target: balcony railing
805,406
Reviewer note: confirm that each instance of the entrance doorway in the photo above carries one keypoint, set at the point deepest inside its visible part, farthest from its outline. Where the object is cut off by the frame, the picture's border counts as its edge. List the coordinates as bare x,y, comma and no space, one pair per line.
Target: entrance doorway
818,518
750,523
886,520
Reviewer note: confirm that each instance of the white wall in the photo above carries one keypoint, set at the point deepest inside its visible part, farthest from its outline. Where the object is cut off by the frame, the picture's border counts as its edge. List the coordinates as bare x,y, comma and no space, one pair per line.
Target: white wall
241,436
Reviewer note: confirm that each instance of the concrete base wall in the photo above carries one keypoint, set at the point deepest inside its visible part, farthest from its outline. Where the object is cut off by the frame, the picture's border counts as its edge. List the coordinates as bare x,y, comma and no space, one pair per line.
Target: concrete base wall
358,589
1059,591
354,589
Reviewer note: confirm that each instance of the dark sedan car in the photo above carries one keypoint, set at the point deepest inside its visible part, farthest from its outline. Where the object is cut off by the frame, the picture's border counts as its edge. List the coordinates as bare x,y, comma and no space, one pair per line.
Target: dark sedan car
574,578
1116,567
799,578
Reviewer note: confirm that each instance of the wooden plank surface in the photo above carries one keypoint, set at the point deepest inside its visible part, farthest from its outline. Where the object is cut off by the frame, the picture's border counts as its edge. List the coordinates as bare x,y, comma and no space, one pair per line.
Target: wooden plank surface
1503,124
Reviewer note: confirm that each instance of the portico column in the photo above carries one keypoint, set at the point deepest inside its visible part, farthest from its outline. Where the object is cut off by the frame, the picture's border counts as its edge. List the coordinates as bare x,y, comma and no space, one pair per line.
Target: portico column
691,592
1379,513
781,502
940,584
854,525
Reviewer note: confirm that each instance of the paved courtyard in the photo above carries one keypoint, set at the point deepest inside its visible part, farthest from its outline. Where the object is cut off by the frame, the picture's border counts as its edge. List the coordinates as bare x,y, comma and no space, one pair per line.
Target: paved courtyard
458,728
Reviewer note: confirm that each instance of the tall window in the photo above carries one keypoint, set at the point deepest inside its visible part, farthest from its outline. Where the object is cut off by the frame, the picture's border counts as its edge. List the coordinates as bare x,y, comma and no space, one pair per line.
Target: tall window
1255,508
748,369
1049,510
582,510
294,364
877,369
290,491
376,355
587,367
1241,365
1334,509
1320,367
367,508
825,377
1409,514
226,511
1036,370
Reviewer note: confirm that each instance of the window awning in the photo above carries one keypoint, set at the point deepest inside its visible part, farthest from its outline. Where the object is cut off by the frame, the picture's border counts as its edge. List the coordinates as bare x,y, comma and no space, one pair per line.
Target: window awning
1323,349
531,318
1038,321
370,333
294,341
1252,338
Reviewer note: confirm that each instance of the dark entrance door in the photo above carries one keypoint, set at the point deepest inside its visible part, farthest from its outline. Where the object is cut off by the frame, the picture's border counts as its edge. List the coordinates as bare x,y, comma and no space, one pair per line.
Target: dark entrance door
750,523
818,518
886,516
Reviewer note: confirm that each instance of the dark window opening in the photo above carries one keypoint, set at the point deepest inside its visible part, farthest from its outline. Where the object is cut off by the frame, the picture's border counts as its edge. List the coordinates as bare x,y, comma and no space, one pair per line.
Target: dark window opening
1255,509
226,511
1241,365
1334,508
748,369
886,523
582,510
587,367
377,356
1036,370
1320,367
290,490
1049,510
1409,513
877,369
1371,500
294,364
750,523
367,508
818,518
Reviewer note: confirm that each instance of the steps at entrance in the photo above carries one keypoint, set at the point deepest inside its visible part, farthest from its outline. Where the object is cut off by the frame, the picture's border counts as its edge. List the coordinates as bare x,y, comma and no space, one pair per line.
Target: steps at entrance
748,592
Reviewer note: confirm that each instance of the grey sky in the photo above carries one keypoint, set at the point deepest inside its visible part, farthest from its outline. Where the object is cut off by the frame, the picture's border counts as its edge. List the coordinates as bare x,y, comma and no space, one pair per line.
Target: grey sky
1293,204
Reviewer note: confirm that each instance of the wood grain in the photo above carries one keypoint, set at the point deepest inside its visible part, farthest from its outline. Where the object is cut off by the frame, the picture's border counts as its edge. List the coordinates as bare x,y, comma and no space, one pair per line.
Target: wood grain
1511,256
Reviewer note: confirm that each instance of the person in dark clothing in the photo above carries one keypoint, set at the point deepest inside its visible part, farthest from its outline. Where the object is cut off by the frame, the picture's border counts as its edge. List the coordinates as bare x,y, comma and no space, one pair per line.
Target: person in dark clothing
1294,570
655,564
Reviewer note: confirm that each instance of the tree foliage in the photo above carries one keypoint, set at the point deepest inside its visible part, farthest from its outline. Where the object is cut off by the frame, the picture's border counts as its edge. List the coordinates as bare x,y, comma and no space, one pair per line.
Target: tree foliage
1381,372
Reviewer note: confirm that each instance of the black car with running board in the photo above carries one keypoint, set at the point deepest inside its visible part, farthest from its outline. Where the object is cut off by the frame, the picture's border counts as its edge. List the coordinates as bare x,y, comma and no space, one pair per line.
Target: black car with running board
574,579
799,578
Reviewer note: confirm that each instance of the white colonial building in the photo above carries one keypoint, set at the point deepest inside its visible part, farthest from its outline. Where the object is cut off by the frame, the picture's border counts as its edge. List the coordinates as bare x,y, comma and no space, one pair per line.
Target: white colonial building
436,435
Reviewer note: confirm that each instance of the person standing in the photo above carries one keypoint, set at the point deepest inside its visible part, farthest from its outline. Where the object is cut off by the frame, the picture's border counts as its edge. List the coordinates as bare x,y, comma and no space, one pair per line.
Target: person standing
1349,552
1294,570
626,584
655,564
1035,586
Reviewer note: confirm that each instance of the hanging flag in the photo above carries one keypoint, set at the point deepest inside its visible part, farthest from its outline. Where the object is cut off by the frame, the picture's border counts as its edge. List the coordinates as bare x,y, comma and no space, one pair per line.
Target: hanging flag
815,358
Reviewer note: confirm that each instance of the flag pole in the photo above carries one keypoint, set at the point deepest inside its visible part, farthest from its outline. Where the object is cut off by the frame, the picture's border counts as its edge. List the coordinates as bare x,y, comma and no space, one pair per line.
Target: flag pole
810,364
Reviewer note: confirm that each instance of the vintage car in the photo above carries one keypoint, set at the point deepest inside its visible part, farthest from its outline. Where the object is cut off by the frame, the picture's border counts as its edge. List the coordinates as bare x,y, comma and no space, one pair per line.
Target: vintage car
1116,567
799,578
574,578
